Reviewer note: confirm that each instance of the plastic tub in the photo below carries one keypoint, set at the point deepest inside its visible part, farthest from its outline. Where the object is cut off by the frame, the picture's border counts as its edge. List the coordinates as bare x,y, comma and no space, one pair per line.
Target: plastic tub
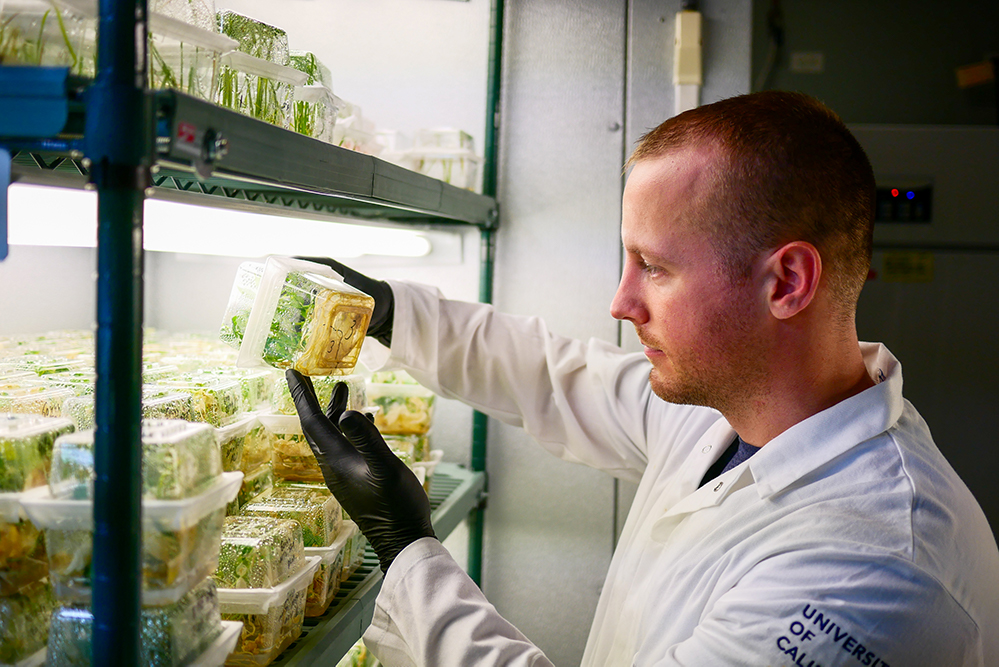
272,617
314,112
214,400
26,443
357,397
428,467
292,313
320,517
353,551
255,485
179,459
404,408
22,549
170,636
35,400
157,403
233,439
180,540
32,32
326,581
255,79
292,456
24,622
258,552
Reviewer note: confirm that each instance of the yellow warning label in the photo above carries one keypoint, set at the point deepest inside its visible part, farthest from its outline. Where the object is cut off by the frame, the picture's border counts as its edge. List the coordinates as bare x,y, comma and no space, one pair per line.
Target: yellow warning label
907,266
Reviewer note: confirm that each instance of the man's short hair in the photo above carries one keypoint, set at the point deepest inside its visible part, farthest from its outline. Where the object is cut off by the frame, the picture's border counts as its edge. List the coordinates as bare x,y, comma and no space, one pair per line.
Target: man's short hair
790,170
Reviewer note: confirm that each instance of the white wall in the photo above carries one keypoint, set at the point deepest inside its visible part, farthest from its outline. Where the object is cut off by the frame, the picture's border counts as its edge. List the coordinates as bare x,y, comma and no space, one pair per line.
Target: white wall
409,64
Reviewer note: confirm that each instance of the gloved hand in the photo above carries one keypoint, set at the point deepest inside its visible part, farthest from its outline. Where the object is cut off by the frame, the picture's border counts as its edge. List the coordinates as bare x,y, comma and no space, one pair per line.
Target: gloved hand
381,495
380,327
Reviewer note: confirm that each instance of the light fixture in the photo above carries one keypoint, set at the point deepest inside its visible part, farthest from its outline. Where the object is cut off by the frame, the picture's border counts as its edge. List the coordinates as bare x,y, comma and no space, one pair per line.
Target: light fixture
45,216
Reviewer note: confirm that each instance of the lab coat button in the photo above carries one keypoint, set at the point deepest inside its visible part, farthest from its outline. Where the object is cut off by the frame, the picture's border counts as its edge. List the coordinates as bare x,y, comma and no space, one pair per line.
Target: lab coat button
706,449
718,486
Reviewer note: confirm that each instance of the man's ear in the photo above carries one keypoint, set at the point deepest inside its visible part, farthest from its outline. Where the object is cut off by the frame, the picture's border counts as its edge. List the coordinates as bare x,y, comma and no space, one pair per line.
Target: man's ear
793,272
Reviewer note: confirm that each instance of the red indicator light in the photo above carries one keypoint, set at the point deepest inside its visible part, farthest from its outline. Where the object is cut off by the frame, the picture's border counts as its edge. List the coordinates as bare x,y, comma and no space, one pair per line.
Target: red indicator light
894,192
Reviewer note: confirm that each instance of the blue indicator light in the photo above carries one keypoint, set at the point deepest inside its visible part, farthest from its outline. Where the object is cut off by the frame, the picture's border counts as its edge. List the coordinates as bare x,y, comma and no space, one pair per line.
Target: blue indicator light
910,194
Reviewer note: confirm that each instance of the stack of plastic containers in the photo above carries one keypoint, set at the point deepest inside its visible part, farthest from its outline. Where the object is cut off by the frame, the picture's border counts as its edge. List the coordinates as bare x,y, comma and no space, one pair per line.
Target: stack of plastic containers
315,108
263,575
184,45
404,417
256,79
26,600
184,494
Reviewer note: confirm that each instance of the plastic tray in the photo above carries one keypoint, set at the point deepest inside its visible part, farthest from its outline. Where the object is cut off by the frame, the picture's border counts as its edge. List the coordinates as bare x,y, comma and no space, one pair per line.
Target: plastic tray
217,652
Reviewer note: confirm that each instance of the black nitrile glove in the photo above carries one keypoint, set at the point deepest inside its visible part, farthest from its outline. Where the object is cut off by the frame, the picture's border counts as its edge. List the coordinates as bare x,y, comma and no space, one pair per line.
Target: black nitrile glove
380,327
381,495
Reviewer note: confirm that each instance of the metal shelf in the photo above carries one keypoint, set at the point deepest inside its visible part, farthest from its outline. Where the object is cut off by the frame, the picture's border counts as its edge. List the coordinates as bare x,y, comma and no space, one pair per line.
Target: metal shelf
213,156
454,492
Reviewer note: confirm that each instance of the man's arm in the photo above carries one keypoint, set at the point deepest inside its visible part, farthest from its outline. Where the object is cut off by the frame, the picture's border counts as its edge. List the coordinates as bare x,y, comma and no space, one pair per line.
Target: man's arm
429,612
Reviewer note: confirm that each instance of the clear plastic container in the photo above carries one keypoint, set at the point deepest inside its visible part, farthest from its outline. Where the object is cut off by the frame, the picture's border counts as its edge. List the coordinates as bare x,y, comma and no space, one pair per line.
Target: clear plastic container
180,540
455,167
256,449
357,397
314,112
182,55
24,622
256,384
157,403
445,137
33,32
255,79
258,552
35,400
232,439
306,61
302,316
353,550
427,467
319,516
404,408
326,581
358,656
26,443
179,460
292,456
417,445
80,382
214,400
169,636
255,485
272,617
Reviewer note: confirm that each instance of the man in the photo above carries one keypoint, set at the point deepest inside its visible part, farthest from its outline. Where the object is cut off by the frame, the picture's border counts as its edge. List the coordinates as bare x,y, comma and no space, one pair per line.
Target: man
792,508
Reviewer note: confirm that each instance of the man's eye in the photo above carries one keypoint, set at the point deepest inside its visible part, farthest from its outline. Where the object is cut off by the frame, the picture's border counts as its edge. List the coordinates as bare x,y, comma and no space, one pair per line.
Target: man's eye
652,270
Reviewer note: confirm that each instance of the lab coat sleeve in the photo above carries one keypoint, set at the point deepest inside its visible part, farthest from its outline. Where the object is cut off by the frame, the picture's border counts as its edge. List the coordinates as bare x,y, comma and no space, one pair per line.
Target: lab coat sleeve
429,612
585,401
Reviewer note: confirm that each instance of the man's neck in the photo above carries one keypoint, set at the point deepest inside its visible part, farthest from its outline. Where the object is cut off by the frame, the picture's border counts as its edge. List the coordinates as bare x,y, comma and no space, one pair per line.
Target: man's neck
817,383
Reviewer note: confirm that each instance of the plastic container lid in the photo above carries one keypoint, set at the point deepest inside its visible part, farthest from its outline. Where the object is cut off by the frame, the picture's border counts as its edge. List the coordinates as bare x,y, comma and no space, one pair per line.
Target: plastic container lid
428,467
281,424
260,600
179,459
165,515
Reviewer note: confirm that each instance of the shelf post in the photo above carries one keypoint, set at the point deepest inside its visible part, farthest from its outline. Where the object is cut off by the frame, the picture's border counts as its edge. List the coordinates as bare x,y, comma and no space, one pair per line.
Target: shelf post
118,141
480,423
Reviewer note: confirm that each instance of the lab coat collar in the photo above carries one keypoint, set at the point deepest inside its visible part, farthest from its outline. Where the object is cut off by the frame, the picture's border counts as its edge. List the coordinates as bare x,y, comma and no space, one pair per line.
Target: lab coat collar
822,437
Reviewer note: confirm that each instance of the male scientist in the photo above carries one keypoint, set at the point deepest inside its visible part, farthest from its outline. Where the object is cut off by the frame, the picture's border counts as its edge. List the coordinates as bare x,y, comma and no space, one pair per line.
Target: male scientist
792,508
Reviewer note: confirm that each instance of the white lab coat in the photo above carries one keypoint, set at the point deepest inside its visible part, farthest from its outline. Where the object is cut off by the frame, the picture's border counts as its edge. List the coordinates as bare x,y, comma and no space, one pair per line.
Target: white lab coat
847,540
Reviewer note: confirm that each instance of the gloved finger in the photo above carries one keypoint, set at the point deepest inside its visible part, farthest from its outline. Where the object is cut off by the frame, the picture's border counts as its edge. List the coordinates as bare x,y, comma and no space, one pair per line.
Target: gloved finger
365,437
338,402
302,392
